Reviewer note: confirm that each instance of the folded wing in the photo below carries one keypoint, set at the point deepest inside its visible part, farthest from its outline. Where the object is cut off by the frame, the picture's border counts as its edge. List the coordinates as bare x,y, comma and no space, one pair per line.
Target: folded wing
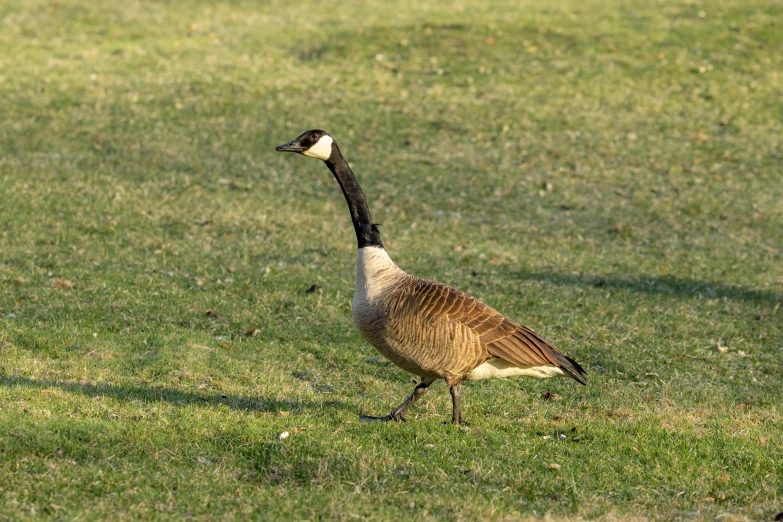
500,337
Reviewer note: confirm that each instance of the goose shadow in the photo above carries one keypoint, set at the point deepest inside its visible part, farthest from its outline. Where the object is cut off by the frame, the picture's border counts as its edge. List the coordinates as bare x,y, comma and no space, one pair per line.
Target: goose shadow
664,285
173,396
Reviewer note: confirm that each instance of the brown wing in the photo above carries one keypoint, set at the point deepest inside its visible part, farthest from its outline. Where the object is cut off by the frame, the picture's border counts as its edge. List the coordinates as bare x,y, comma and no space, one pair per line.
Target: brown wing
499,336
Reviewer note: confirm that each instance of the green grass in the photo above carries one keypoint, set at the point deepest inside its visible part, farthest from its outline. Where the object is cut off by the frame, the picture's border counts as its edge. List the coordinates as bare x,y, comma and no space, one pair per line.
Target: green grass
608,173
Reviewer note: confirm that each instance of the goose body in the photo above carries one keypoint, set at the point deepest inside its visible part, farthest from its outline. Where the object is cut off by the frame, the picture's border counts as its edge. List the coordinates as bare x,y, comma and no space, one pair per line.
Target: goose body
427,328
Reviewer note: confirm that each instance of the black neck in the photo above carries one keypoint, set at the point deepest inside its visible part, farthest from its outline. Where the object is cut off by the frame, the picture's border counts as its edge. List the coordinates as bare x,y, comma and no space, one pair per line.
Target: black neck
367,233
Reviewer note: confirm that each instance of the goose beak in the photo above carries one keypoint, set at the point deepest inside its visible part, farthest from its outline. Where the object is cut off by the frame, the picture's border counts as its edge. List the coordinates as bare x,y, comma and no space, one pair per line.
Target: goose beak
291,146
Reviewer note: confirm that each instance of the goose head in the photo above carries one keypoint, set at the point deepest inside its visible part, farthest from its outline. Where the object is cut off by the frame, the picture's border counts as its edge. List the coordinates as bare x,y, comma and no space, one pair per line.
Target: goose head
313,143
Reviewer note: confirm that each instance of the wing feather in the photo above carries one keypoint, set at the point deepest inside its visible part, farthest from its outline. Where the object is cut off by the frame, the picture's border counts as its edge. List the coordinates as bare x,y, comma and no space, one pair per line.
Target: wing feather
499,336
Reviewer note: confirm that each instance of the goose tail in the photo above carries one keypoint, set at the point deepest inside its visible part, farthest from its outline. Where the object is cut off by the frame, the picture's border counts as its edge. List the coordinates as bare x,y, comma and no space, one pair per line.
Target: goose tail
571,368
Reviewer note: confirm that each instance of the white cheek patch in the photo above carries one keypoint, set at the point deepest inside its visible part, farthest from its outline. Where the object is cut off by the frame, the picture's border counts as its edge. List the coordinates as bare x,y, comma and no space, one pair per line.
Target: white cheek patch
322,149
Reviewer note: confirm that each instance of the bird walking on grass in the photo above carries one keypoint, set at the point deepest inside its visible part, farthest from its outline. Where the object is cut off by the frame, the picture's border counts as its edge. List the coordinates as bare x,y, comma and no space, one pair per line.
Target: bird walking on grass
427,328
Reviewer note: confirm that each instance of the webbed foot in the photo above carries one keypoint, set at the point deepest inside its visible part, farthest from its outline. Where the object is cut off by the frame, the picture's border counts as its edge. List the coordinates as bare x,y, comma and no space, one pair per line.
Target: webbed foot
387,418
398,414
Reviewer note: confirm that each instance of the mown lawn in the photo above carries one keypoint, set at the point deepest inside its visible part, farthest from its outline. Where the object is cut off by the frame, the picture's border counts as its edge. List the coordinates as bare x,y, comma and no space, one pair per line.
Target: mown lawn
609,173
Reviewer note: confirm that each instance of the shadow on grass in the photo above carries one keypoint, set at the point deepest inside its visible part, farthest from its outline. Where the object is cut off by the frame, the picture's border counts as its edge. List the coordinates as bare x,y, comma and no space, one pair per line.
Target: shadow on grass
173,396
667,285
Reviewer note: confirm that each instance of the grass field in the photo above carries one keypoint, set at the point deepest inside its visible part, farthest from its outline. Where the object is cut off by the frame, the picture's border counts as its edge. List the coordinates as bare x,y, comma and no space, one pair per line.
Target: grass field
608,173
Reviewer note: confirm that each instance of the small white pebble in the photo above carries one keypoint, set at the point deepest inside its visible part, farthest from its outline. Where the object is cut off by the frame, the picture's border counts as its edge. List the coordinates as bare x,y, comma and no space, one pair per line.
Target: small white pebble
283,435
94,334
562,436
547,437
741,353
10,315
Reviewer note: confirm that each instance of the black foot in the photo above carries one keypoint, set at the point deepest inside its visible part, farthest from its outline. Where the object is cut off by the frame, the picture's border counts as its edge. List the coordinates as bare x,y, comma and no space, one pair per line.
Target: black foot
462,422
387,418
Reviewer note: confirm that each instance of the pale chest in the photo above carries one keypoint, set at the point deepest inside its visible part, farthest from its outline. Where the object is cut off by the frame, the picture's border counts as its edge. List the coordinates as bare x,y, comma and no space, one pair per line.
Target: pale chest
376,276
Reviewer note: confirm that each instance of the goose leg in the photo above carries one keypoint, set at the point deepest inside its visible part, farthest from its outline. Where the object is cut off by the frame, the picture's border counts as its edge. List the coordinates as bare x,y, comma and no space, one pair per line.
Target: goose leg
399,412
456,396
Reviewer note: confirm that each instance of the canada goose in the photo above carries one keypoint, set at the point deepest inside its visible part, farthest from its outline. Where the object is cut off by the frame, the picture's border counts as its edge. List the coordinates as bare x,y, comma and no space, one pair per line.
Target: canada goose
425,327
